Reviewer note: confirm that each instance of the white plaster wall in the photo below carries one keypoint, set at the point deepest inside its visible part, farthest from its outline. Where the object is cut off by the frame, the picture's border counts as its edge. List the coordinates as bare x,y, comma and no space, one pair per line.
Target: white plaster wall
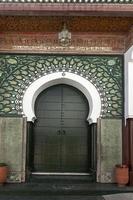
128,83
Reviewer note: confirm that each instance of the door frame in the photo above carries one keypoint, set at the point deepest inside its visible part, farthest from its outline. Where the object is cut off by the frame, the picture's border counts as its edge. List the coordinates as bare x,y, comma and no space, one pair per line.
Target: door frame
82,84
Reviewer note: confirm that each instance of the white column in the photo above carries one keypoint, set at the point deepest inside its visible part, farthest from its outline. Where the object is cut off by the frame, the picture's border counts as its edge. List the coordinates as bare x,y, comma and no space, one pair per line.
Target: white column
128,83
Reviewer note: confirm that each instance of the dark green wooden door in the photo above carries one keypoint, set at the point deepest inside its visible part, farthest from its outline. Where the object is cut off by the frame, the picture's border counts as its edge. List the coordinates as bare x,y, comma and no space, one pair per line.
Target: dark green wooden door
61,133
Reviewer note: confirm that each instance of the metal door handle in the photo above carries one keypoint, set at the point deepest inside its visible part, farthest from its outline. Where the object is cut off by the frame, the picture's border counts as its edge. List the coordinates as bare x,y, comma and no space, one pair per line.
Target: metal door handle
59,132
63,132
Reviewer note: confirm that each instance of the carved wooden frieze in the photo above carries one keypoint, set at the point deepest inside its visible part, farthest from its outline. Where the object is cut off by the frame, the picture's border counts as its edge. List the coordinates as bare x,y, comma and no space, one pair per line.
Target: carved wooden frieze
129,39
81,43
75,24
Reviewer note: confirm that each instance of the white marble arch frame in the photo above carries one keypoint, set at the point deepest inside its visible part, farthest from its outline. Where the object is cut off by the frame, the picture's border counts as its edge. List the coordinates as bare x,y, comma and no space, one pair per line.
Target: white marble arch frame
82,84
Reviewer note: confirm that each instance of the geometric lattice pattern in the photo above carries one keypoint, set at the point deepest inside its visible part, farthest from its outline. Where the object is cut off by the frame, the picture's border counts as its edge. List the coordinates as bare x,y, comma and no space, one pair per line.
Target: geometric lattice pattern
17,72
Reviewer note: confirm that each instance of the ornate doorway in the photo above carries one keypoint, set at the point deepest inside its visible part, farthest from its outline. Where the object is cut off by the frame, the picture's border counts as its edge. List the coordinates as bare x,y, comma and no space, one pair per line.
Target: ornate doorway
92,98
61,135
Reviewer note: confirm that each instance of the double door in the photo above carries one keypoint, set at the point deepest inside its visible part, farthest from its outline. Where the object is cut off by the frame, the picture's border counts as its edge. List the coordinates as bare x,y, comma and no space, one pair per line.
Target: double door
61,134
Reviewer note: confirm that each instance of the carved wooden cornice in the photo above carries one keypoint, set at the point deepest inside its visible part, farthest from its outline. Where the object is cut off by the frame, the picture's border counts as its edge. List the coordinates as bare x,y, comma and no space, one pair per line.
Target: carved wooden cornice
57,9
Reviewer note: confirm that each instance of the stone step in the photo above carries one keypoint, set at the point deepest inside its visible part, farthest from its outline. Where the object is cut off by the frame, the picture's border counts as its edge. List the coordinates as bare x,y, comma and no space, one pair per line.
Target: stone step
63,178
47,197
61,188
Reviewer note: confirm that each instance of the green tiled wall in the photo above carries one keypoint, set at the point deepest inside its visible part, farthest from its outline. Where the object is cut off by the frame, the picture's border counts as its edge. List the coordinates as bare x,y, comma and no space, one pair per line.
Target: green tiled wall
17,72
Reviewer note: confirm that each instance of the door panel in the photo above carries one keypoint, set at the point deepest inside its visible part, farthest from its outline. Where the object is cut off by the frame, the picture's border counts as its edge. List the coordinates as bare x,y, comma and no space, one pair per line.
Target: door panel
72,123
47,154
51,106
68,114
48,122
73,106
49,114
41,131
75,153
61,134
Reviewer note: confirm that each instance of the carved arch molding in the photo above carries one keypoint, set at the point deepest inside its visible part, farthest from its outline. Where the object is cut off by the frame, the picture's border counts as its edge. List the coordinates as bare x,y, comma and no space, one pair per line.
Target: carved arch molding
87,88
